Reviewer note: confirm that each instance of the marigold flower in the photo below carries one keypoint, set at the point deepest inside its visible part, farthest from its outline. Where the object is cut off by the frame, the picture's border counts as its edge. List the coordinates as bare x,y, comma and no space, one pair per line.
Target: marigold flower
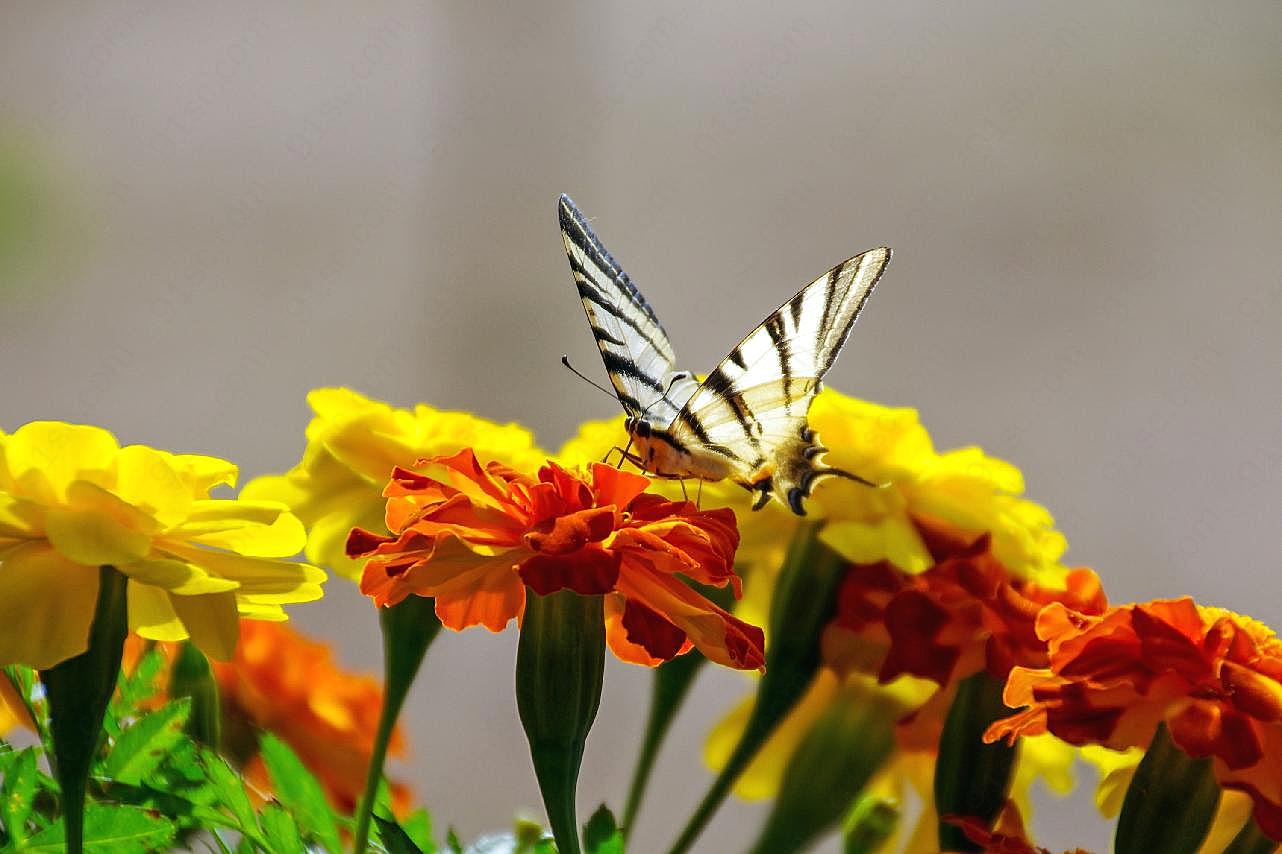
475,537
353,443
287,684
1214,677
964,614
963,489
72,499
1007,835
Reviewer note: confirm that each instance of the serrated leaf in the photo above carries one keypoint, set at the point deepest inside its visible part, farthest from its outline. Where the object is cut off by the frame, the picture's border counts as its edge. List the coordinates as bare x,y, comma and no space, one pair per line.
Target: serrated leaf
280,830
110,830
601,835
229,791
394,837
17,792
141,747
418,825
299,791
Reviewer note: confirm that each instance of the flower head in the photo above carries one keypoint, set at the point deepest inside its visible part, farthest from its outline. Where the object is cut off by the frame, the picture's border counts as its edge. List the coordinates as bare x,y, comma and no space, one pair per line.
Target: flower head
964,614
353,443
1214,677
963,489
72,499
287,684
475,537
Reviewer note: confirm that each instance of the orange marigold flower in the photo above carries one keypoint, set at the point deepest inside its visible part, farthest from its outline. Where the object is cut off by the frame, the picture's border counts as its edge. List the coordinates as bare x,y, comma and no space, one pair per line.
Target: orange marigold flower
1213,676
474,537
282,682
964,614
285,683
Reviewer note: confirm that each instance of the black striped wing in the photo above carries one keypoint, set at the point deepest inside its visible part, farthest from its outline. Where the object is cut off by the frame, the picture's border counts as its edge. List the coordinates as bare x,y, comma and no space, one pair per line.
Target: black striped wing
637,354
753,406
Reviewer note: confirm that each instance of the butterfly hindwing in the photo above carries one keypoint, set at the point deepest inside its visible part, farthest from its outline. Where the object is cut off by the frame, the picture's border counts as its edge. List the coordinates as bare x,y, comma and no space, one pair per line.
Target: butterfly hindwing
754,404
637,354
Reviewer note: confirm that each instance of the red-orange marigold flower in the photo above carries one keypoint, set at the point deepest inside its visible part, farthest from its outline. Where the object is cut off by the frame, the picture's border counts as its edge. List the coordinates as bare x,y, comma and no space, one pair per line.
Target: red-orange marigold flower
962,615
474,537
289,685
1213,676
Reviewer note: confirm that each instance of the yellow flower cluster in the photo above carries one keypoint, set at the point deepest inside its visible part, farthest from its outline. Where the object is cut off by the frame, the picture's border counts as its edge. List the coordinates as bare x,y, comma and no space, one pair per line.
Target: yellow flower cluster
353,443
72,500
965,488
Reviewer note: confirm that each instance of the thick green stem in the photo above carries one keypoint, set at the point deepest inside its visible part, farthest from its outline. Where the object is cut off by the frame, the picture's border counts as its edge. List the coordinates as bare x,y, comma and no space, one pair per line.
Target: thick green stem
1170,803
408,627
804,601
560,665
671,684
79,690
971,778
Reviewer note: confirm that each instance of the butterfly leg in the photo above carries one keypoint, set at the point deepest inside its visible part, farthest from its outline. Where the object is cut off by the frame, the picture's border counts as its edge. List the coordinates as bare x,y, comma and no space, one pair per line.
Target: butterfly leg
684,494
698,496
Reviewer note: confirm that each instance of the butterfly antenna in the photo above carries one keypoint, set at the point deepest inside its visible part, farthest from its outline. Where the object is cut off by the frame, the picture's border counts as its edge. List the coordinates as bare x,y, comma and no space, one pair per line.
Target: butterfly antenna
680,375
565,360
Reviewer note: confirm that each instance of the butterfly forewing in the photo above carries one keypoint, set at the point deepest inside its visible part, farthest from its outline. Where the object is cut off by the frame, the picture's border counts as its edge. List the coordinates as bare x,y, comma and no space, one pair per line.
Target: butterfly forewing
755,402
637,354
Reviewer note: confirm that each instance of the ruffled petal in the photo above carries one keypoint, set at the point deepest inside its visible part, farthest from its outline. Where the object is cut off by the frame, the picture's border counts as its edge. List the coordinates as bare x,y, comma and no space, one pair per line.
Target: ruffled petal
46,606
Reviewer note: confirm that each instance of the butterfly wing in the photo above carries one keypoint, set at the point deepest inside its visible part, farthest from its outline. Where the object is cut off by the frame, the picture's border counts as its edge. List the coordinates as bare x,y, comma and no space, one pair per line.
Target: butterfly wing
753,406
637,354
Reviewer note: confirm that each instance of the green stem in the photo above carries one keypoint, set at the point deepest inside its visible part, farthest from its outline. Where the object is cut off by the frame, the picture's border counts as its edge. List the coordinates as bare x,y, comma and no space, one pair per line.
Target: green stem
1170,803
804,601
560,664
408,628
972,778
78,690
670,685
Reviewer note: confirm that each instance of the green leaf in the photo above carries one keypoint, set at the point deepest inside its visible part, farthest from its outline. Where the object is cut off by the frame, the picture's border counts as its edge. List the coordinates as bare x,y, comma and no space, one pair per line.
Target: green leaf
394,837
280,830
452,842
135,688
111,829
601,835
191,676
145,744
229,791
299,792
418,825
17,794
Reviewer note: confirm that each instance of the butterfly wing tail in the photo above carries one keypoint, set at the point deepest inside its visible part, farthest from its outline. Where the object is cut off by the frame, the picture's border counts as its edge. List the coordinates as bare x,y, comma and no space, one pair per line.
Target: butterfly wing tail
798,470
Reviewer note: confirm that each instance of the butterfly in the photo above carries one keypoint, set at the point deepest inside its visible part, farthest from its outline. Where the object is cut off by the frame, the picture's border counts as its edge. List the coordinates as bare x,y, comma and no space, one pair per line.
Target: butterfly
747,420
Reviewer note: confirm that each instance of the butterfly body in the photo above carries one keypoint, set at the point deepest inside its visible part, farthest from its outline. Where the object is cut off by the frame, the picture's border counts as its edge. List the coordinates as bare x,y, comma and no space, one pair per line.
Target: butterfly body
747,420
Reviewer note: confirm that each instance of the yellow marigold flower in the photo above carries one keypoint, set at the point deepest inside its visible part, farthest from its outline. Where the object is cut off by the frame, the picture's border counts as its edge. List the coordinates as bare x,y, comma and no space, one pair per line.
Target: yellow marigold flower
72,499
353,443
962,488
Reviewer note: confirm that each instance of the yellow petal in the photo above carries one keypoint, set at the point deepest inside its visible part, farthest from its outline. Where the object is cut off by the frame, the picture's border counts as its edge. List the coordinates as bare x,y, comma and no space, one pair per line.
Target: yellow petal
894,539
20,519
98,528
211,620
46,605
44,457
175,576
268,580
255,528
202,473
327,541
151,616
146,479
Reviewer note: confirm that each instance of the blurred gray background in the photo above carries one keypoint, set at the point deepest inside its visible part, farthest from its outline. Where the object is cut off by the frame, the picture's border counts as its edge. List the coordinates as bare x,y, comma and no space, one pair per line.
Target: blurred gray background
212,208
